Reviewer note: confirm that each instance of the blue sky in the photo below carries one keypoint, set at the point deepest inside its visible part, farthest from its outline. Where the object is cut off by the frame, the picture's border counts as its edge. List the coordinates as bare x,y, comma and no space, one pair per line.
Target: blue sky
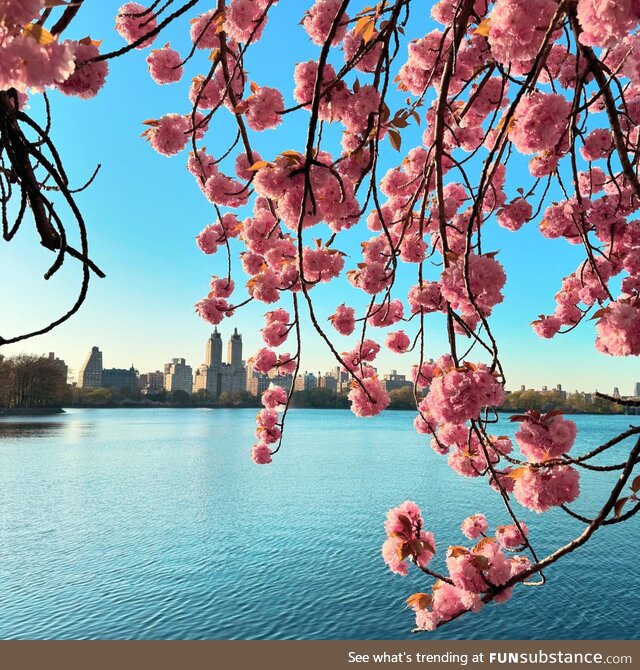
144,211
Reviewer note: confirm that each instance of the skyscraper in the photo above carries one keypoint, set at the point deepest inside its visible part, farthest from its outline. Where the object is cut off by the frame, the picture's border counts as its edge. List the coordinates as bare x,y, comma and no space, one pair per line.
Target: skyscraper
213,349
636,390
178,376
217,377
234,351
90,375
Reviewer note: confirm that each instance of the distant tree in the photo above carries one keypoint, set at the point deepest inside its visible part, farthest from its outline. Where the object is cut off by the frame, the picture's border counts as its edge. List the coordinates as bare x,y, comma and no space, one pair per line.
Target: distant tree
96,397
319,398
236,399
203,395
31,381
402,398
180,397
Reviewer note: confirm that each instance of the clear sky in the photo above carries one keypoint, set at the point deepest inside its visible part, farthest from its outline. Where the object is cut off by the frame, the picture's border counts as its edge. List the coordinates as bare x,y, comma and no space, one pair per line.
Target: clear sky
144,211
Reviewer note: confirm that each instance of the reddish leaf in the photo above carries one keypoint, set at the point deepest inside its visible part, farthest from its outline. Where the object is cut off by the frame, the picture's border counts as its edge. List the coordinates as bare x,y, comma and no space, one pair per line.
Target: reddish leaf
456,551
481,561
395,139
406,524
483,543
419,600
619,505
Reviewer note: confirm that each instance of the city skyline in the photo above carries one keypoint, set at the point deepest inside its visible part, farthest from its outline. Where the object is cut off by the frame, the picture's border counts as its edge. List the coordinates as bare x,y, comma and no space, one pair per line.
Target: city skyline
213,359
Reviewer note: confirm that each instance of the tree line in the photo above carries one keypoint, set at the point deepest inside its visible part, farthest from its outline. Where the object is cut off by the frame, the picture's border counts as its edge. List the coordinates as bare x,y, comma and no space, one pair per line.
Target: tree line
31,381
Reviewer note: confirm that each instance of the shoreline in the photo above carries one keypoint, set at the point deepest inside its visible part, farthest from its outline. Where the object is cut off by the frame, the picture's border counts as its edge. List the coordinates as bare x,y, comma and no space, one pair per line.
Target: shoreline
61,410
30,411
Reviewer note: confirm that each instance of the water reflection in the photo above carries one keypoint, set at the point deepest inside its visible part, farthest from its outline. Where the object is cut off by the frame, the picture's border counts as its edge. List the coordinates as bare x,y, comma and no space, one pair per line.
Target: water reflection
13,429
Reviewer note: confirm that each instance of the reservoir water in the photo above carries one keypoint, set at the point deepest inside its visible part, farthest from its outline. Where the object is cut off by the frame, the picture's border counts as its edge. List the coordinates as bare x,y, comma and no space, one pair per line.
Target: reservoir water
156,524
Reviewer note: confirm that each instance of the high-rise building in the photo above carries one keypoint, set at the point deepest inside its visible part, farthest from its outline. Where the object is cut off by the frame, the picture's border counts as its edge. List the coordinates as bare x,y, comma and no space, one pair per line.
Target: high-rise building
217,377
636,390
178,376
327,382
257,382
213,349
394,381
120,378
151,383
234,350
305,382
90,375
343,379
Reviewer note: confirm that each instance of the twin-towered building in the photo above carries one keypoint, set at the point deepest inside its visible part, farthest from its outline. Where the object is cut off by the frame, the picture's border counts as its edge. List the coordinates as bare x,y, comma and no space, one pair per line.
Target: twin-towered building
217,377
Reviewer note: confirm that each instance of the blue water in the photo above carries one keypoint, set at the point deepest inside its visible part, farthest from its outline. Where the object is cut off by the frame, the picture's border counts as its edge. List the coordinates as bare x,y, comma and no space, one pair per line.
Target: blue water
155,524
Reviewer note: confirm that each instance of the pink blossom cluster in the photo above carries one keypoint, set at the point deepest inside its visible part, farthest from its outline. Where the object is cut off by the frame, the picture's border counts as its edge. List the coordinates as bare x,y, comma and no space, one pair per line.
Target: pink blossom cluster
343,319
516,31
486,279
619,328
216,234
276,328
589,286
267,361
367,396
29,62
398,342
269,427
514,215
320,18
246,19
88,76
407,539
605,22
545,437
262,109
283,182
134,21
540,123
475,526
457,395
169,134
472,572
386,313
165,65
512,536
540,489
